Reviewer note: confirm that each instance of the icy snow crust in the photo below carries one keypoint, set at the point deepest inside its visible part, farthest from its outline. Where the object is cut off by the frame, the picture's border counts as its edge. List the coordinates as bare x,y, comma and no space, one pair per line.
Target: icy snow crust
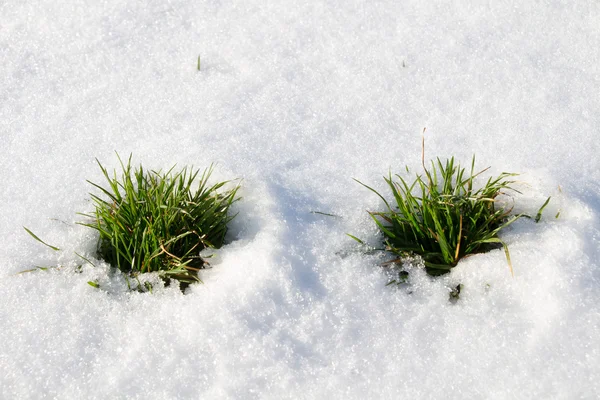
297,99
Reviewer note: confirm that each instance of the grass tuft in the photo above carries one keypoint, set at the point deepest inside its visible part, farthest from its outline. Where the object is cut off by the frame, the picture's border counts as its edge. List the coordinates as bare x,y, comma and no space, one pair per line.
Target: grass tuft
442,217
153,221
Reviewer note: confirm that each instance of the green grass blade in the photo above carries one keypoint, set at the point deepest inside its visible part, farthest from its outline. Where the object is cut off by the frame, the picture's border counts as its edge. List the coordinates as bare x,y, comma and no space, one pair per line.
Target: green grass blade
376,192
40,240
538,216
355,238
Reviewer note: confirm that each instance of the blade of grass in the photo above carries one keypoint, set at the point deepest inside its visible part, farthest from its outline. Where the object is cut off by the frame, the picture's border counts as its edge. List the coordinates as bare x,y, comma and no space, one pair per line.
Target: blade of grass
40,240
538,216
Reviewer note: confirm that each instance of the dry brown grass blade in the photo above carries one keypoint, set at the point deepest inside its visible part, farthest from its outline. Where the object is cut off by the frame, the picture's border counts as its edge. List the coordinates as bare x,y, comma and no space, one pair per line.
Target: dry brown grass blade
459,239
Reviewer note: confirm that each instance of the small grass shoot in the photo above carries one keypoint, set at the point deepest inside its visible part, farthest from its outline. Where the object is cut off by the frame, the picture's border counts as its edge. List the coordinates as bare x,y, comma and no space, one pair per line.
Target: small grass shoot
40,240
538,216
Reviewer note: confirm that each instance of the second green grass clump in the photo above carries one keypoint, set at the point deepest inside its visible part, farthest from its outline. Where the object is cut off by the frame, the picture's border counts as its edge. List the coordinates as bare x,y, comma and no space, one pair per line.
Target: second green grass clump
150,221
442,217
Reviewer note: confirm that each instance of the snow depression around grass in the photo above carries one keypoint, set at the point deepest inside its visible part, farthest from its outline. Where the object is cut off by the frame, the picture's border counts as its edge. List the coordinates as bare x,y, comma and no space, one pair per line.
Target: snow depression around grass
297,100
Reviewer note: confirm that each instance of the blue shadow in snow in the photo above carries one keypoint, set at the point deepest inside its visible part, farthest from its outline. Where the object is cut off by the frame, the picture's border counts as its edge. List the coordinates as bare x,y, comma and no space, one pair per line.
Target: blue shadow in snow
295,208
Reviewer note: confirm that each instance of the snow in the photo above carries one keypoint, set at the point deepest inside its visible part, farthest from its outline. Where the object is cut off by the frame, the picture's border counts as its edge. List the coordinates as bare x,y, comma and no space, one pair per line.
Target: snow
296,100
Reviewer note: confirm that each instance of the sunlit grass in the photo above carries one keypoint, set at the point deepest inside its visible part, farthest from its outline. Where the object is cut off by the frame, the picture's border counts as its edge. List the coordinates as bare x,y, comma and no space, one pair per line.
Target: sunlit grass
153,221
443,217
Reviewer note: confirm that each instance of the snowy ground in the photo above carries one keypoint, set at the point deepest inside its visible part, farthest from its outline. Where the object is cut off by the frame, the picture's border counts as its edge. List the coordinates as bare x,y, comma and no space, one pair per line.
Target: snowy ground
298,99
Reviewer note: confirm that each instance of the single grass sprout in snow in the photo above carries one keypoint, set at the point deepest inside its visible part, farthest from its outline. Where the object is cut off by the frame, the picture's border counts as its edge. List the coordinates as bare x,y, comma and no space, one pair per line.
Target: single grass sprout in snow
150,221
442,217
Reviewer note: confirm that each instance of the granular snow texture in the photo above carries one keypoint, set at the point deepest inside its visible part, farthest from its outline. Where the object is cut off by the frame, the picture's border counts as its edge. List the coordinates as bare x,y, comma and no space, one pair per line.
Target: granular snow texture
296,99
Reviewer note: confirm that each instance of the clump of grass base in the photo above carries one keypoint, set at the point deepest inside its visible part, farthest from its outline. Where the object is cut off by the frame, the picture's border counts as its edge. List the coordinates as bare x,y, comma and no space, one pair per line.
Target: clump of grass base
150,221
442,217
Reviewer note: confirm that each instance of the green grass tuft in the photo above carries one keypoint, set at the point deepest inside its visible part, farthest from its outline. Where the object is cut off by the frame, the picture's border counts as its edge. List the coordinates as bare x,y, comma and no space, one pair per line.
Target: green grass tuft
442,217
152,221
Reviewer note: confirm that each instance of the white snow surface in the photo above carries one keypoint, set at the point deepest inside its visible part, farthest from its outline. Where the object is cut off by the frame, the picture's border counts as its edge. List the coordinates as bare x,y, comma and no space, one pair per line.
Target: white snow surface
296,99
